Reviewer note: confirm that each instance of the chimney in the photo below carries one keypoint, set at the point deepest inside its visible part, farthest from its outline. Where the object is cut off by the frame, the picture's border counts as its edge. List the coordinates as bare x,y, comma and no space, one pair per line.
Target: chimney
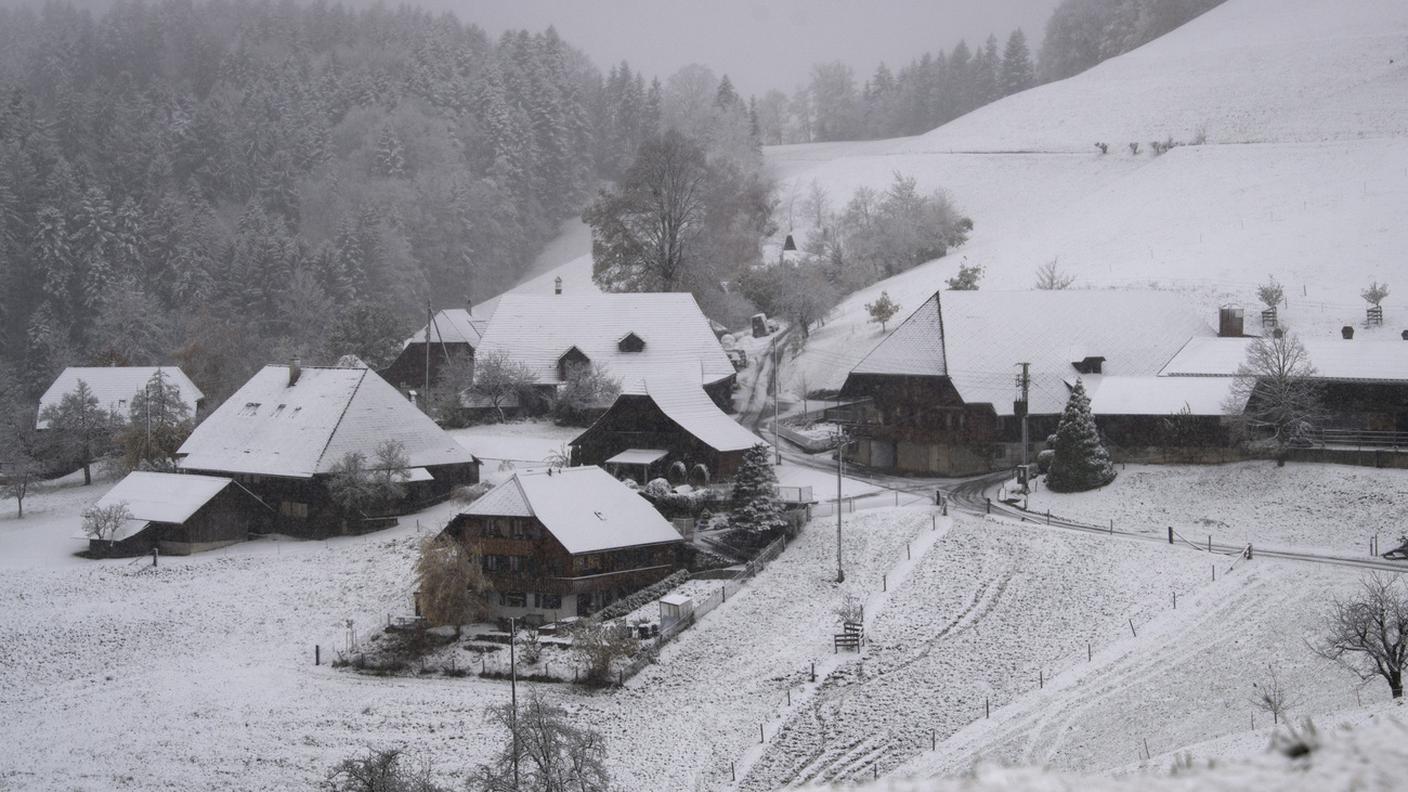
295,369
1278,333
468,305
1229,322
557,285
1405,335
1348,332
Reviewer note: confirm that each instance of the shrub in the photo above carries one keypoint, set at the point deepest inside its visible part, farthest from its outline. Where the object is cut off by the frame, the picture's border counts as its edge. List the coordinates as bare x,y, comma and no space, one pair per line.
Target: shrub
654,591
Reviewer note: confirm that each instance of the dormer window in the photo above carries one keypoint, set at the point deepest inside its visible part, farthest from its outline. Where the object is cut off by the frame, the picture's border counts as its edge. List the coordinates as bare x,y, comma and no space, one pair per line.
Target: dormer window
250,408
631,343
571,359
1089,365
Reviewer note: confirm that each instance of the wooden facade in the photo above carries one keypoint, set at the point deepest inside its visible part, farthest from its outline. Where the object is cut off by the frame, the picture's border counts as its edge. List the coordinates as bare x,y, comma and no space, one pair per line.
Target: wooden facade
536,579
635,421
915,424
229,517
407,371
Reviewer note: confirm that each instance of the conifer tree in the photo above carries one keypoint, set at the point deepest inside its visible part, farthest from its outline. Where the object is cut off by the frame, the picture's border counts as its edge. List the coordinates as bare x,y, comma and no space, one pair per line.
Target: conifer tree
755,507
80,427
1018,73
1081,462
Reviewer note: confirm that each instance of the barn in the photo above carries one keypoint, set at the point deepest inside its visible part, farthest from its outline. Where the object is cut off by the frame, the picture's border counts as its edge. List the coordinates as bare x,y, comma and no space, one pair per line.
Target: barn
180,514
450,334
942,393
566,542
628,336
114,387
658,421
284,432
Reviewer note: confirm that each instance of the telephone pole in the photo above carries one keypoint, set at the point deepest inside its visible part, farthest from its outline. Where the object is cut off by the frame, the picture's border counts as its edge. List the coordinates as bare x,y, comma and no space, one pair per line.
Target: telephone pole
1024,381
429,322
513,685
776,390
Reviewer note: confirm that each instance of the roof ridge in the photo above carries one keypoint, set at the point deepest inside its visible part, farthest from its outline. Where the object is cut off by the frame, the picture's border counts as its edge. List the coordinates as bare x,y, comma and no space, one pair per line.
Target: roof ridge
943,337
346,405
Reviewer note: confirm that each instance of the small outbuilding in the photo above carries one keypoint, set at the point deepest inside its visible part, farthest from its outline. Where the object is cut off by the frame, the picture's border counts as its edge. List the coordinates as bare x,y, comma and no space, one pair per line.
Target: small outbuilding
658,421
180,514
115,386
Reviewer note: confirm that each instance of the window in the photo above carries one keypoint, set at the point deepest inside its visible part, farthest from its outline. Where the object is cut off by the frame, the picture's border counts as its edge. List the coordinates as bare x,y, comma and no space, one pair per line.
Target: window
293,509
249,408
548,601
631,343
491,527
513,599
279,410
523,529
493,563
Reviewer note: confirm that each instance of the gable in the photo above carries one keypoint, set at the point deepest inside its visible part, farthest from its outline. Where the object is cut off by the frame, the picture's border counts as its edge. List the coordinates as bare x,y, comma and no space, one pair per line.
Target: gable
631,343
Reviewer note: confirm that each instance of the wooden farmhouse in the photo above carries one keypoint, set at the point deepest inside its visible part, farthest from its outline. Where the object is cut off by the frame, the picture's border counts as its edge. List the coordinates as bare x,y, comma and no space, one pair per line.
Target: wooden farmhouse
628,336
657,422
566,542
451,334
180,513
1364,380
114,387
941,394
282,434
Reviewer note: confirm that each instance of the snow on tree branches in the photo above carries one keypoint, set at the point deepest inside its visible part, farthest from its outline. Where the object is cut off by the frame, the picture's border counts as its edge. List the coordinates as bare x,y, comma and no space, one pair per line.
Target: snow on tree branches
1081,462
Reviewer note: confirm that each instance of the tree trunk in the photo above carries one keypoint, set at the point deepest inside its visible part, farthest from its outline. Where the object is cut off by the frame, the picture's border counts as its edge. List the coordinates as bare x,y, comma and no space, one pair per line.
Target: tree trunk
1395,683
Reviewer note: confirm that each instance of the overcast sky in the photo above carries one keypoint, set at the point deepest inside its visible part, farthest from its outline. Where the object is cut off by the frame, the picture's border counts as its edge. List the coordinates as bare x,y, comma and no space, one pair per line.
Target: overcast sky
760,44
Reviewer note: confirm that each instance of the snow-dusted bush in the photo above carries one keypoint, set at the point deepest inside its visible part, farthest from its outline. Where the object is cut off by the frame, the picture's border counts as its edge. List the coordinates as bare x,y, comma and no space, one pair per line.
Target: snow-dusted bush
658,488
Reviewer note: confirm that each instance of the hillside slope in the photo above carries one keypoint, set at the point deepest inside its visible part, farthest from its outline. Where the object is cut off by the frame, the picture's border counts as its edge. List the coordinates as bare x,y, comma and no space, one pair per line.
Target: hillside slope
1304,174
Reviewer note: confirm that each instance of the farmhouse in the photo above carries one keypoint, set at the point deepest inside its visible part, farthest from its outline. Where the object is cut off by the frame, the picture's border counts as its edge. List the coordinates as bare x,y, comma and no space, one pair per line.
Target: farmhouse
282,434
451,334
659,421
114,387
629,336
566,542
180,514
1365,381
942,392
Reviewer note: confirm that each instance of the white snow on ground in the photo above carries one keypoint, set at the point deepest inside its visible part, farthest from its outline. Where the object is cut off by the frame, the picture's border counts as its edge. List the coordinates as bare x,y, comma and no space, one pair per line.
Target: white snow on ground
1303,175
1370,757
1333,509
994,606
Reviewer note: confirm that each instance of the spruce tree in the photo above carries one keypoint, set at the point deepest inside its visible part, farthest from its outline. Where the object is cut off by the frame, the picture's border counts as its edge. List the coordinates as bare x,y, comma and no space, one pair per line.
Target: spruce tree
755,507
1081,462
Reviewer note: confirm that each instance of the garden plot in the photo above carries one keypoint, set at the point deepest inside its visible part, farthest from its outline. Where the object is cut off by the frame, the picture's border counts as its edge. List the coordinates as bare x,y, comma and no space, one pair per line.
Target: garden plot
990,608
1334,509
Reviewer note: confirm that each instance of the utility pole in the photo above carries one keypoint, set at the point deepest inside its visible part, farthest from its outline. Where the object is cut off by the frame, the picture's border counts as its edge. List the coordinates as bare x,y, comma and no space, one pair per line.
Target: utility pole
425,395
840,454
513,688
1024,380
776,388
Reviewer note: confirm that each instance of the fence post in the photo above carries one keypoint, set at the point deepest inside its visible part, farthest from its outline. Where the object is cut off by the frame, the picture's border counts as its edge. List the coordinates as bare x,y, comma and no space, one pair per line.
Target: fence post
1112,525
813,670
1214,573
1170,534
908,556
987,707
1048,516
1175,600
945,509
1088,655
1131,629
789,697
1209,543
317,655
884,582
761,737
1040,679
989,505
724,590
153,556
933,739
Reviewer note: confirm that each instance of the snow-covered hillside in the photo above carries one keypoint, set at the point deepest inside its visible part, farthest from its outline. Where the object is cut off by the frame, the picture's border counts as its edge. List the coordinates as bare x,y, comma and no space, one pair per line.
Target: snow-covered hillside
1304,174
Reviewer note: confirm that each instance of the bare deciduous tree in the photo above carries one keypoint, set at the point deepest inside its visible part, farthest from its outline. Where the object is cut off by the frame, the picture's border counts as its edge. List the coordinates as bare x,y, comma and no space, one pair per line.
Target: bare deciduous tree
82,429
20,449
1050,277
392,470
1272,696
381,770
498,379
1375,294
1277,386
102,522
1368,632
453,589
599,646
546,752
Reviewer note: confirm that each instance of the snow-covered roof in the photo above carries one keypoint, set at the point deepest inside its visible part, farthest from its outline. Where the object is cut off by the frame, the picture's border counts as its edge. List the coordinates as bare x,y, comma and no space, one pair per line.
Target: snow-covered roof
1160,395
161,497
638,456
1333,359
585,508
272,428
977,338
536,330
114,386
452,326
688,405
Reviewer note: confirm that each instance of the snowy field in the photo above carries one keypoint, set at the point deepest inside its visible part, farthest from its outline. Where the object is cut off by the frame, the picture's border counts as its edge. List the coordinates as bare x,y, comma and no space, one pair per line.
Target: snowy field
1334,509
1304,175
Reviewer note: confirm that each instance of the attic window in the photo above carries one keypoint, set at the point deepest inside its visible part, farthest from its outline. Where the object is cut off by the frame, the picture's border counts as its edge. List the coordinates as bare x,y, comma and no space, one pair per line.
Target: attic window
296,411
250,408
279,410
1089,365
599,517
631,343
571,359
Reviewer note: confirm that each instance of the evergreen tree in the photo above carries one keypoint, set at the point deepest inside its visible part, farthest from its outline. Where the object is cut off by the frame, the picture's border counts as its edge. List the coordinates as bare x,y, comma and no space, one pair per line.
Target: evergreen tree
158,422
1081,462
81,430
1018,73
756,511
